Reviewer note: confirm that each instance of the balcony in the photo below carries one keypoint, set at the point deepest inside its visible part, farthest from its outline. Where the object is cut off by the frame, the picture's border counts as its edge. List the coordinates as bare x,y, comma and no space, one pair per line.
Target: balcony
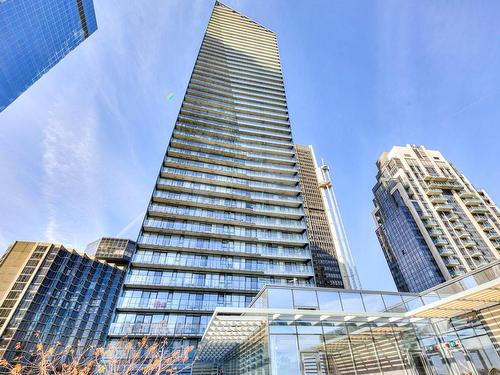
447,183
463,235
435,232
445,251
466,194
156,329
492,236
426,215
430,223
456,272
451,262
476,254
469,243
486,227
438,178
478,210
453,217
444,207
440,241
481,218
432,192
438,199
458,226
472,201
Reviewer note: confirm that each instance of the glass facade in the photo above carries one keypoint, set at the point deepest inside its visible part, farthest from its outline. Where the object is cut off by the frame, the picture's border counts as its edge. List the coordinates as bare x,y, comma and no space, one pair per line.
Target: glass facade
35,36
226,216
411,263
56,297
113,250
432,223
319,331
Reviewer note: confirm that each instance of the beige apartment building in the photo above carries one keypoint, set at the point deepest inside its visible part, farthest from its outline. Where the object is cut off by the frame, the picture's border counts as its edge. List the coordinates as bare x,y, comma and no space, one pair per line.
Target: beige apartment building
432,222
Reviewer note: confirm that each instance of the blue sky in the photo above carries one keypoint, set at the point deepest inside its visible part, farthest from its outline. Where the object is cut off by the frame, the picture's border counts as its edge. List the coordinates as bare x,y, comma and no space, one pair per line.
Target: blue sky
80,150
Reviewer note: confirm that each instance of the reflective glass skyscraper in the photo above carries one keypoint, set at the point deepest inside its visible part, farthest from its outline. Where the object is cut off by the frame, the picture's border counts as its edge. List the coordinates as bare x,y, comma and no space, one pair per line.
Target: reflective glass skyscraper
34,36
226,216
54,296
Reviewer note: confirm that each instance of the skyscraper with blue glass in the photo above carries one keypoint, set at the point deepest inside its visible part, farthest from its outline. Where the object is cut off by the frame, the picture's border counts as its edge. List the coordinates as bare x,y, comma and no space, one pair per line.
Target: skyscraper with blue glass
226,215
34,36
56,297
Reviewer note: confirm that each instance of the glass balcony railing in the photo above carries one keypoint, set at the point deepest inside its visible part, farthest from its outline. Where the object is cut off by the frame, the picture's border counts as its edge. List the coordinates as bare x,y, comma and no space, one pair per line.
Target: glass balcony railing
156,329
478,209
443,207
154,240
216,262
283,138
451,262
469,243
229,230
215,59
224,70
239,84
198,82
203,115
231,62
229,203
229,192
163,304
281,146
234,161
176,141
243,101
239,106
242,58
241,283
234,115
432,192
447,185
232,181
293,179
445,251
224,216
440,241
438,199
435,232
472,201
430,223
283,154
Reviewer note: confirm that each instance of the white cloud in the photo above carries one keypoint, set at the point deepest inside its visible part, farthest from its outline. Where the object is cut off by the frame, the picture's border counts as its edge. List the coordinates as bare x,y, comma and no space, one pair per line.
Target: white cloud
69,162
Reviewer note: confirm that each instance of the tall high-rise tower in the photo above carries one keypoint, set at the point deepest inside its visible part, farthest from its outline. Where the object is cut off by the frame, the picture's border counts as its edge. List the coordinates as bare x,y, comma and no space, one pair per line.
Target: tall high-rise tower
226,215
332,260
432,223
34,36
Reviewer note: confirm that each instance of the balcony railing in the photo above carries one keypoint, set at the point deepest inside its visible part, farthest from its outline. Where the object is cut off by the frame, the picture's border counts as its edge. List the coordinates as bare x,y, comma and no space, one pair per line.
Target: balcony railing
440,241
156,329
472,201
443,207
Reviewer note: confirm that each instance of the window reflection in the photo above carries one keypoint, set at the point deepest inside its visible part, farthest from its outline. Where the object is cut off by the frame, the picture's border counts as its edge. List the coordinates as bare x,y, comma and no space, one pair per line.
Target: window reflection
373,302
305,298
280,298
352,302
284,355
329,301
